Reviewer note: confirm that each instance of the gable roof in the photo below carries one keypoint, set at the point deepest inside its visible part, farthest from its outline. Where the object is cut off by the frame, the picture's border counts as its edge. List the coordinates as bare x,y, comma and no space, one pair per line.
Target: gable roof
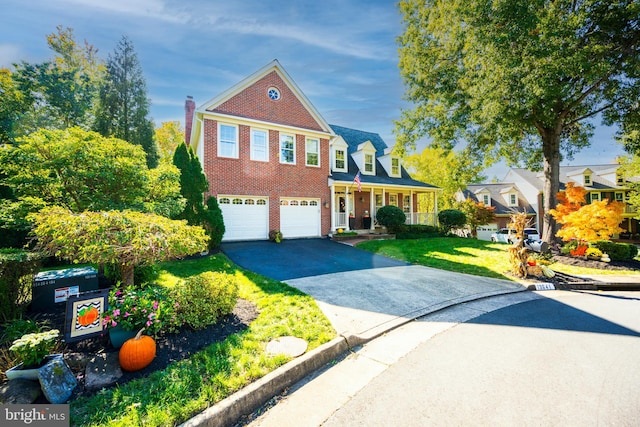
496,192
598,182
231,101
354,138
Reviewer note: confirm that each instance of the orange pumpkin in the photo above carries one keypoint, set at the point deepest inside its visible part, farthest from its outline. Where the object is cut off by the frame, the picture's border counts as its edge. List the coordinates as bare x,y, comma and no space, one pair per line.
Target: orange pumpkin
137,352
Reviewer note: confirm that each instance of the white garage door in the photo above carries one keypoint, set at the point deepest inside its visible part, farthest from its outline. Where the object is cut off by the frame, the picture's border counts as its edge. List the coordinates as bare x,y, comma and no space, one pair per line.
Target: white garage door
299,217
245,217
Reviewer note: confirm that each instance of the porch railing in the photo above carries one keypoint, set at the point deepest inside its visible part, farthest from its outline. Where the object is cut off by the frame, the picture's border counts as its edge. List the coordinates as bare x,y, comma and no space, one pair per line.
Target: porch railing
424,218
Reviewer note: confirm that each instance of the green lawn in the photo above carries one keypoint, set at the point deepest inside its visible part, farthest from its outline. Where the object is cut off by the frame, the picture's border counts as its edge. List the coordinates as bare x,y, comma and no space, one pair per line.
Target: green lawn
185,388
470,256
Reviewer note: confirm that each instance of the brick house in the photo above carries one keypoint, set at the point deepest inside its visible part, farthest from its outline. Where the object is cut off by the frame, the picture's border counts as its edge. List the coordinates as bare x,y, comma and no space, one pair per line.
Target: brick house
273,162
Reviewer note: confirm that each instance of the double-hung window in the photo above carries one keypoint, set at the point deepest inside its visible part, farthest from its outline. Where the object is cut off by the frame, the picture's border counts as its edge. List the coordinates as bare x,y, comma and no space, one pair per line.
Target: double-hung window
259,145
287,149
313,152
227,141
368,163
395,166
340,165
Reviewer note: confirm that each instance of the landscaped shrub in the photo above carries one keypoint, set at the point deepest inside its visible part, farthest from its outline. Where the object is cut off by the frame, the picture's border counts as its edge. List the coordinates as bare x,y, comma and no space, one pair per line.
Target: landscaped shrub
416,231
142,274
205,298
17,269
450,219
617,251
568,247
593,253
391,217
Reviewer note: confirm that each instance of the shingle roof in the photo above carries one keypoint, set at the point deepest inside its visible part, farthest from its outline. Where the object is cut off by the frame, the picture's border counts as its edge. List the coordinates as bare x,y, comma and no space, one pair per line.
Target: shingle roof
597,181
353,138
497,200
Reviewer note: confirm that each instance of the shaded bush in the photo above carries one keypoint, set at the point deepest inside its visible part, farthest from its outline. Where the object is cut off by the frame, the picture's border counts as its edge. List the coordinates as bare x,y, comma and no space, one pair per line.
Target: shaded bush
450,219
391,217
17,269
617,251
203,299
417,231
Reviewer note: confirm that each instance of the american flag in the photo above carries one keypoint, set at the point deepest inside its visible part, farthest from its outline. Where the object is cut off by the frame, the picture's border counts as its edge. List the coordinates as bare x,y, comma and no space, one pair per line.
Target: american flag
357,181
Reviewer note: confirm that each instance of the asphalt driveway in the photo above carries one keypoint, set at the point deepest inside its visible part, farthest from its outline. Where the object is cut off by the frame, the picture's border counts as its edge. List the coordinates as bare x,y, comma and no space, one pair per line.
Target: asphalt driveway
362,294
297,258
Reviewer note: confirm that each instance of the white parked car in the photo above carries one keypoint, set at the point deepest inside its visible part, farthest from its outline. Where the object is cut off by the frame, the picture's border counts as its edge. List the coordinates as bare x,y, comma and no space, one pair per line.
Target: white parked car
504,235
531,233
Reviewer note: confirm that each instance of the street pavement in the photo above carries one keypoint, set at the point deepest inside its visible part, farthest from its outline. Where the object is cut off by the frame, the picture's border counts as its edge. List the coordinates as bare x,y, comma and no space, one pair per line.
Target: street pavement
538,358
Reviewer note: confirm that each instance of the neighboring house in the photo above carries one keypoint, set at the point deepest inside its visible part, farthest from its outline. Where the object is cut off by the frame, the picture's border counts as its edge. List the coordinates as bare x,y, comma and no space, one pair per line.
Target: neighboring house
600,181
505,197
273,162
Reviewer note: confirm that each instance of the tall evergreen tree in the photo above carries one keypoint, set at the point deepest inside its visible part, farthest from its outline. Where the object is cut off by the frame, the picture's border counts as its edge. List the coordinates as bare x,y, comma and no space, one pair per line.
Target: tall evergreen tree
193,185
123,104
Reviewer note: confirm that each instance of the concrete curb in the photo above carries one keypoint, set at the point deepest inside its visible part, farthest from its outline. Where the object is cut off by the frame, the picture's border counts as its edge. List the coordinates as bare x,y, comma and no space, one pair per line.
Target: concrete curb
227,412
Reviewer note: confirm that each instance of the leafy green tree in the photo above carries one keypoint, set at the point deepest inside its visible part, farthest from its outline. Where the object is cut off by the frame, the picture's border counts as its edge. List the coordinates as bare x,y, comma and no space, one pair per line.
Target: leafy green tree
214,222
168,136
123,104
446,169
124,238
519,79
61,92
12,102
477,214
450,219
82,170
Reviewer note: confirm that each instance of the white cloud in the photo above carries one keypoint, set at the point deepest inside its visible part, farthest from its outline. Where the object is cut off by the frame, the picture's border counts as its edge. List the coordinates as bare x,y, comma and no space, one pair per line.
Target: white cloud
151,9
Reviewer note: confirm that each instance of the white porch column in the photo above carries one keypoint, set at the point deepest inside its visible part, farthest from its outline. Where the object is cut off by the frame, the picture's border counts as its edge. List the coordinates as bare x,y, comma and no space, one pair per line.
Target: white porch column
333,208
347,206
372,205
411,207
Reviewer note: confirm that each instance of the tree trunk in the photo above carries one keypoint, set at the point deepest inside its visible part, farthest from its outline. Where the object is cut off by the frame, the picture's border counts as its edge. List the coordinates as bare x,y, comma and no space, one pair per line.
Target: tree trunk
551,162
127,274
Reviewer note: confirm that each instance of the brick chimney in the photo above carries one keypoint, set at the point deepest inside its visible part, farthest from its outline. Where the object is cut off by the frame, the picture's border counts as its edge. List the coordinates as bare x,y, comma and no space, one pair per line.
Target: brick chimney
189,108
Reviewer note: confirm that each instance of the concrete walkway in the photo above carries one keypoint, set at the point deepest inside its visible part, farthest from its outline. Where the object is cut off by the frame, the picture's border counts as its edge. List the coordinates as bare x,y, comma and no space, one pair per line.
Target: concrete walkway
364,304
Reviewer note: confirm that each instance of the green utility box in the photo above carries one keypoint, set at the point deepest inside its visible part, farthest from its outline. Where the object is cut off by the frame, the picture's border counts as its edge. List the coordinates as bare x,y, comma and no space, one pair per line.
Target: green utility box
52,288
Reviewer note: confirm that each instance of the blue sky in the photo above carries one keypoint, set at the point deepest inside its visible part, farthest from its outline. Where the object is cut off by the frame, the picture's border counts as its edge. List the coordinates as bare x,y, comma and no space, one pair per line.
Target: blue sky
342,53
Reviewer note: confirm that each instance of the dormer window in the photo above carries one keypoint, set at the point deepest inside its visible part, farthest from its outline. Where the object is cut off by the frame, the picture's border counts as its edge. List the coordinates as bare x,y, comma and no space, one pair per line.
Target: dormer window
395,166
368,163
587,179
339,160
486,200
619,179
513,199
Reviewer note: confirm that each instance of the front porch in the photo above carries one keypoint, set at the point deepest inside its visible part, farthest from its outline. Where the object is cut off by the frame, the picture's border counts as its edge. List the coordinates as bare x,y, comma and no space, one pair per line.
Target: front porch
353,209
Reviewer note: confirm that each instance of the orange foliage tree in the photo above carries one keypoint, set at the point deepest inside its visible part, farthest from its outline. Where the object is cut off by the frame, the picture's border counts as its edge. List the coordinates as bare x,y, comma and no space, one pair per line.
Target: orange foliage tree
598,220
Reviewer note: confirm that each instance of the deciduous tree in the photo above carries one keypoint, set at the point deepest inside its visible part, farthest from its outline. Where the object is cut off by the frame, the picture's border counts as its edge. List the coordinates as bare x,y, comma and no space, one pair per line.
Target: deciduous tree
124,238
477,214
598,220
519,79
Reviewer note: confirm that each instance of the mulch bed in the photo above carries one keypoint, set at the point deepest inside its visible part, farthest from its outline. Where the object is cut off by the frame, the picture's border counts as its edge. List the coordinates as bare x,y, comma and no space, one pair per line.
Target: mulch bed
170,347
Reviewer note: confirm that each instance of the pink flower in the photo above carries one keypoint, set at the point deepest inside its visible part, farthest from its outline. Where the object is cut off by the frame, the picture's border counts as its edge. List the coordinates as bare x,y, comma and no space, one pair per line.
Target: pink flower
116,312
114,323
126,314
148,323
118,293
155,305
